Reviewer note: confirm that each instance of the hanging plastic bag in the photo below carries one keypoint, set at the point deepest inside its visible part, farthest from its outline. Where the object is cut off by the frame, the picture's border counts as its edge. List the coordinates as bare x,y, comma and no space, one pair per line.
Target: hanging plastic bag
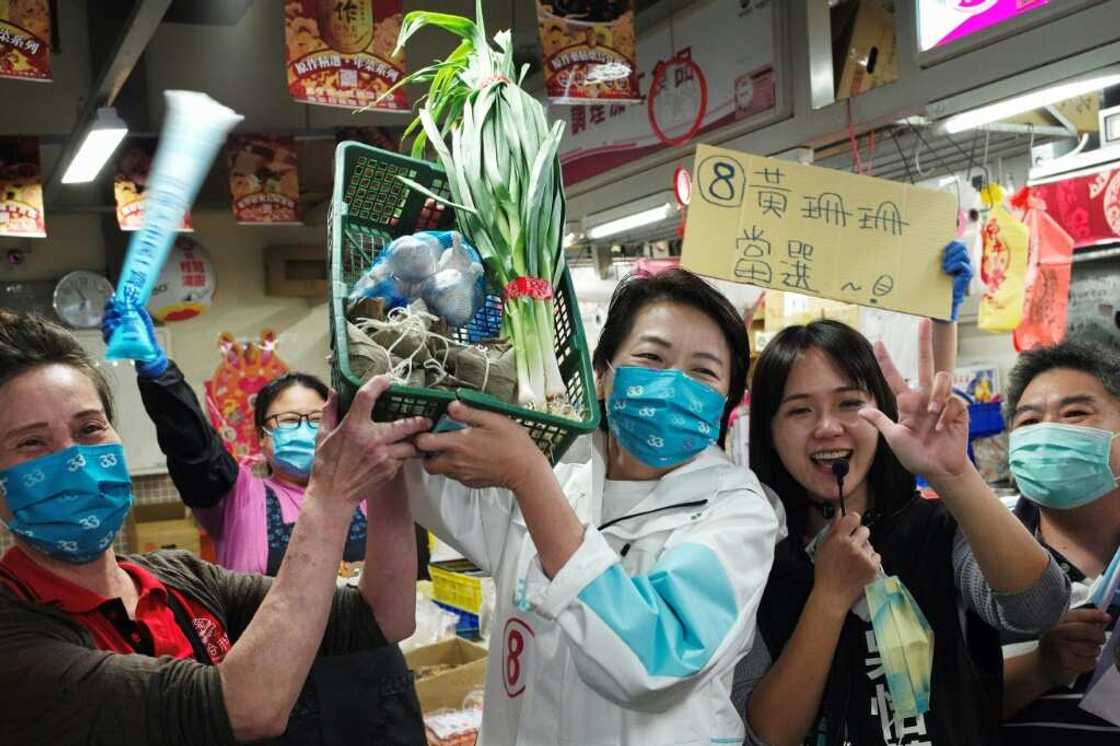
1048,273
1003,267
905,642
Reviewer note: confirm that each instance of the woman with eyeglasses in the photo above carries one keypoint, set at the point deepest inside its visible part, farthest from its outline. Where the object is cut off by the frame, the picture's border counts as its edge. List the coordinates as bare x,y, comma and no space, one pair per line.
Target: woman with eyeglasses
249,518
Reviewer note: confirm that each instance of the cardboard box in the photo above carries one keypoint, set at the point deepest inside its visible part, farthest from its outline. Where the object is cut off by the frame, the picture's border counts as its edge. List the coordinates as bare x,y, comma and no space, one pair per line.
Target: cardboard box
871,57
447,689
149,536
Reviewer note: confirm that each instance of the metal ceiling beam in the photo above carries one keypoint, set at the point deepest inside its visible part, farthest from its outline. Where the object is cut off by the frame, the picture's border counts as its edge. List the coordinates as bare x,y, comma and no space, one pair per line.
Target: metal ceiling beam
138,30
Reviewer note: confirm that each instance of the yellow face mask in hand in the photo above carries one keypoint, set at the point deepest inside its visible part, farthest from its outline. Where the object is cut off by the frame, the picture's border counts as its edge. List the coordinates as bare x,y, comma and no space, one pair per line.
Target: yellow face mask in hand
905,642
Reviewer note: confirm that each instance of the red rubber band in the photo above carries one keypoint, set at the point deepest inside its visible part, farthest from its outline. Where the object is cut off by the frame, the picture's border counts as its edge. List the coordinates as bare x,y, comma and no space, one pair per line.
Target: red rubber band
528,287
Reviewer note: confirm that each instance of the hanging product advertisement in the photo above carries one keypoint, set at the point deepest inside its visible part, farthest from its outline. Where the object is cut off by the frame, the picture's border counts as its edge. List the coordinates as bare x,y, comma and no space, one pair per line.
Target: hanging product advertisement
21,188
230,393
130,186
941,22
589,51
1087,208
25,39
185,287
713,65
264,180
340,53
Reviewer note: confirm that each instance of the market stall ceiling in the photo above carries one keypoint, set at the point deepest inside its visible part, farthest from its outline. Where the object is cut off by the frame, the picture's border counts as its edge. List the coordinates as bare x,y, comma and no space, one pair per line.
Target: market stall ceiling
232,50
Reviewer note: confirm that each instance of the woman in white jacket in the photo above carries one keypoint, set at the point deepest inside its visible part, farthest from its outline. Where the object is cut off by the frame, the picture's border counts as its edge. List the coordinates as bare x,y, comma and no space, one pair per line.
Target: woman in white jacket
628,585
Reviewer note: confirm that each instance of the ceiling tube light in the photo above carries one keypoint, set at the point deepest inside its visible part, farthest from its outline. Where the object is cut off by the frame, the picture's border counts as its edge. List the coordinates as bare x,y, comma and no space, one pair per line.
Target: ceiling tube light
1027,102
102,138
632,222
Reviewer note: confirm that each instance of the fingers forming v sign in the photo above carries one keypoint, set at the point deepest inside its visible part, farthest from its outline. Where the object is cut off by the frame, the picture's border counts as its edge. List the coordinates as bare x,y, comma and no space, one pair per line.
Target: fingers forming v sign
931,435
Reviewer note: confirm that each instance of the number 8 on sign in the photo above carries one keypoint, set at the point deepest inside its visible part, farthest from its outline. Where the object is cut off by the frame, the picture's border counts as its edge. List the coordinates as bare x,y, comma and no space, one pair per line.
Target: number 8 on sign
721,181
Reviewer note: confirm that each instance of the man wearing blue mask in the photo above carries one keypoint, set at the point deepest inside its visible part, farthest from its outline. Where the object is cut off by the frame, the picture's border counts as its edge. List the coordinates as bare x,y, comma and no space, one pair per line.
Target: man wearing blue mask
1063,408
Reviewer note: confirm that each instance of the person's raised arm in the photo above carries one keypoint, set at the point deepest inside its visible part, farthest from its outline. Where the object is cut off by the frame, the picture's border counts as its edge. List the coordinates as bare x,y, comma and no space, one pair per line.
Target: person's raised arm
931,439
264,671
197,461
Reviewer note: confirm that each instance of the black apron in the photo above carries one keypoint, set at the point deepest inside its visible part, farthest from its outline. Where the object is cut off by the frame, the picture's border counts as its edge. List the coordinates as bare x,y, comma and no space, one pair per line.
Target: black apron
280,533
366,698
916,544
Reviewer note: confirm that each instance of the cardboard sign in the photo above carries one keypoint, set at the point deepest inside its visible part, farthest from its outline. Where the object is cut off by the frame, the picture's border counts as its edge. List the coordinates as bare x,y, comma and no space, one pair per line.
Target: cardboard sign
818,231
341,53
25,39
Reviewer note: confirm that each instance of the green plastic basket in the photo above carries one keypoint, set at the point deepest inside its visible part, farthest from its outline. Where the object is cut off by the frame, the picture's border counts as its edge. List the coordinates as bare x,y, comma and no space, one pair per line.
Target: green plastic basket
370,208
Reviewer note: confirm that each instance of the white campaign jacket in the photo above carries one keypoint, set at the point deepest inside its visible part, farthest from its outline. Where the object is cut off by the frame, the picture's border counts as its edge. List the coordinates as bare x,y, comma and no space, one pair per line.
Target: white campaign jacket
635,640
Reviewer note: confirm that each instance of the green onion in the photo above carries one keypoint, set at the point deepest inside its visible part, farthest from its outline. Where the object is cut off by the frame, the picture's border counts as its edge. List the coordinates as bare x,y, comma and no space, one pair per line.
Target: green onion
500,155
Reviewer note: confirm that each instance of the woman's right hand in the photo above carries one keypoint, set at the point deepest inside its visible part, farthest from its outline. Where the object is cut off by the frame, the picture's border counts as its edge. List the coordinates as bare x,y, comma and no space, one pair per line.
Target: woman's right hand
357,456
845,563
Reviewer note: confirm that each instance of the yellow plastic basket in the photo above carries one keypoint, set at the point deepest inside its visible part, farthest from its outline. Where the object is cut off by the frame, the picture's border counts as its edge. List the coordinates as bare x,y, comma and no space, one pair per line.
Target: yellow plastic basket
457,583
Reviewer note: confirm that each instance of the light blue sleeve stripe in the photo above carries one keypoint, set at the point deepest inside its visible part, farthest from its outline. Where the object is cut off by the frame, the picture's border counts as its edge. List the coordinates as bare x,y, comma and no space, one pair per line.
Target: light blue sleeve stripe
673,619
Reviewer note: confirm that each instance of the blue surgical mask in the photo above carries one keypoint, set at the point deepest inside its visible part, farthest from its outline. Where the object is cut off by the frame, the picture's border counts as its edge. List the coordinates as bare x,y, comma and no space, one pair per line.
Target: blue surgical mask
663,417
294,448
1062,466
70,504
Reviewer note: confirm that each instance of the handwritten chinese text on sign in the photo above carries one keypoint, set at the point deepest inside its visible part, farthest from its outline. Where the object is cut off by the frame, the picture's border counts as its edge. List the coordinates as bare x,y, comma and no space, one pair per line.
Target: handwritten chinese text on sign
819,231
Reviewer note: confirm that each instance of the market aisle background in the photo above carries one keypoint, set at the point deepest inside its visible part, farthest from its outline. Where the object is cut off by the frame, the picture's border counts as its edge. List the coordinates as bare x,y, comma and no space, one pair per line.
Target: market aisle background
245,57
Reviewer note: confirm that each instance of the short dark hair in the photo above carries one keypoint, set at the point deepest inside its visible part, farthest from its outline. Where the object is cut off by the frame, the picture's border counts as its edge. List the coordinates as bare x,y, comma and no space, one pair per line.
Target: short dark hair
677,286
1100,361
279,385
29,341
891,484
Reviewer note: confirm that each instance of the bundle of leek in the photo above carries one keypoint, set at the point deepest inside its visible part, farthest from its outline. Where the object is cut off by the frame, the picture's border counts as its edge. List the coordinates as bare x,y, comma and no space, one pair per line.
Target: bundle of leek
505,184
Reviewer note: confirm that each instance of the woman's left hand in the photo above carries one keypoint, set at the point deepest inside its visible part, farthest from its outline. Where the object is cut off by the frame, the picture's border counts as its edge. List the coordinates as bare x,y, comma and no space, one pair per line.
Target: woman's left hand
931,435
491,451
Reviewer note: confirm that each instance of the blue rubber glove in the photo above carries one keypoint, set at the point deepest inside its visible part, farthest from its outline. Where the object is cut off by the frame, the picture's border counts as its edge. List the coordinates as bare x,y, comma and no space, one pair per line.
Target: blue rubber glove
115,311
956,264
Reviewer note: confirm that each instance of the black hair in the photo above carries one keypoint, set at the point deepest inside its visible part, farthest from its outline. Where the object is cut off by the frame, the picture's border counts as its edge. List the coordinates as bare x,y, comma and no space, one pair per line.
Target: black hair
676,286
891,485
277,386
1100,361
29,341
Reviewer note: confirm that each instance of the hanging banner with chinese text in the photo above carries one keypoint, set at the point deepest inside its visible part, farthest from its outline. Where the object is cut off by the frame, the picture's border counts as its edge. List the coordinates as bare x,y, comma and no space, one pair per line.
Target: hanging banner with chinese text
185,288
589,50
264,179
130,186
732,47
25,39
340,52
818,231
21,189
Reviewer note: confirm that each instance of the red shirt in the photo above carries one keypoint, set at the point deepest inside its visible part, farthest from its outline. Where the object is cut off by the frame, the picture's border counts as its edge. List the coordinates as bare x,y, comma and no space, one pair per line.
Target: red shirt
154,631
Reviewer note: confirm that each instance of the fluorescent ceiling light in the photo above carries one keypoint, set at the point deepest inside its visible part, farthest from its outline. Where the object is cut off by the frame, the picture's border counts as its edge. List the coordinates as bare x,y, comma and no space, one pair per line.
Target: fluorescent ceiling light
1028,102
631,222
102,138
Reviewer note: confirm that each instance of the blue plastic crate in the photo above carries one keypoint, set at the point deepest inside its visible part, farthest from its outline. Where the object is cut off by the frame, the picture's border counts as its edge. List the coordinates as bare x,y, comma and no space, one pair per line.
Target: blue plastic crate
984,420
468,625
